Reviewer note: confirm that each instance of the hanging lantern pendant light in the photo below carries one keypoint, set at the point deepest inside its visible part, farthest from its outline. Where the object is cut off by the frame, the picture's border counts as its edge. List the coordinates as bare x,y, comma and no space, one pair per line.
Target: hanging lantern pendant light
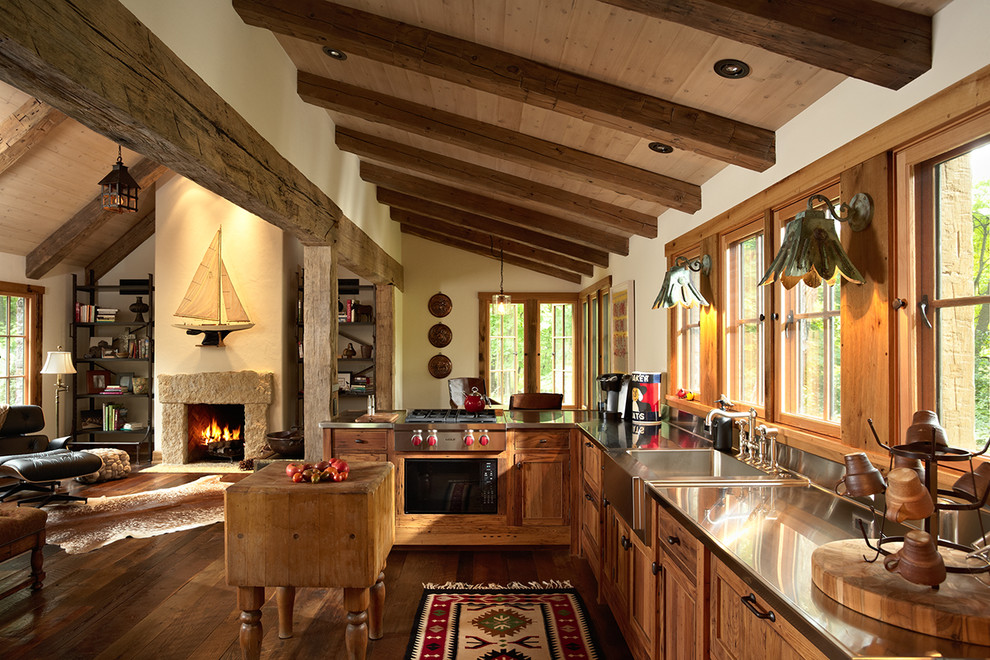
500,300
118,189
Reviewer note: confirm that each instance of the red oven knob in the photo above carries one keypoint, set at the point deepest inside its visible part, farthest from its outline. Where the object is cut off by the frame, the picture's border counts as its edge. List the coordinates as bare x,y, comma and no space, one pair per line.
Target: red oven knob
431,439
469,439
417,438
484,439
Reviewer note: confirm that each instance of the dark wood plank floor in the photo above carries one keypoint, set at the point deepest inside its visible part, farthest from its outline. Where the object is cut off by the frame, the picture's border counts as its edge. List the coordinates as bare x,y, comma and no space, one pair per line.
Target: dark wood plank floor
166,597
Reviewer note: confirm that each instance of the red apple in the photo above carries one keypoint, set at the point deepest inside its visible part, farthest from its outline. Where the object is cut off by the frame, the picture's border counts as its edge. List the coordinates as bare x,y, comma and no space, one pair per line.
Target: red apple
343,467
292,468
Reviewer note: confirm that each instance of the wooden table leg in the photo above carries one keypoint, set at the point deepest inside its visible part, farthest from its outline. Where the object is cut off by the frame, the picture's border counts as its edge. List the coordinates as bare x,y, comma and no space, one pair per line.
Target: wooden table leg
356,602
250,600
376,613
286,597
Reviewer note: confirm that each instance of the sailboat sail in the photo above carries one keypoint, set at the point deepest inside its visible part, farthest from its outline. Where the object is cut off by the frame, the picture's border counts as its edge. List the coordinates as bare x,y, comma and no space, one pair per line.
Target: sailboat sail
211,296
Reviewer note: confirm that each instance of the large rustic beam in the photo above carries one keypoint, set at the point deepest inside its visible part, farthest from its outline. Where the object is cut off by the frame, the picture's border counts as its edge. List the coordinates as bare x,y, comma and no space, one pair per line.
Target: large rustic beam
101,66
499,142
59,244
483,238
21,131
358,253
494,208
498,228
864,39
510,76
438,237
142,230
480,179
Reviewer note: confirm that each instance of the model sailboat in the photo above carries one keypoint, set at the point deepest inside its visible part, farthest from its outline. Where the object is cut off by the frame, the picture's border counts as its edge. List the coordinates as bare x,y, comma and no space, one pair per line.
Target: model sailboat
211,305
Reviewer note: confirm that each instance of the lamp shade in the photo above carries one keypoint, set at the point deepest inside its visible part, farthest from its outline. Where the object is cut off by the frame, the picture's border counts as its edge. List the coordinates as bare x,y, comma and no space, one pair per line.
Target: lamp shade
58,363
678,288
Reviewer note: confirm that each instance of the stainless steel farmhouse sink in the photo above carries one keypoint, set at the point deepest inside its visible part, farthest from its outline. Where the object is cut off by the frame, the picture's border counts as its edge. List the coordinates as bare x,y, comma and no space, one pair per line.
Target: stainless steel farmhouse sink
705,467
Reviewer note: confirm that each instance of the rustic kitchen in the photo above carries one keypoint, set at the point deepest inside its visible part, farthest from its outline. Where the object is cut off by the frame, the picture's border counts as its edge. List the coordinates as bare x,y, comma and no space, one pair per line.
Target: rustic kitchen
557,329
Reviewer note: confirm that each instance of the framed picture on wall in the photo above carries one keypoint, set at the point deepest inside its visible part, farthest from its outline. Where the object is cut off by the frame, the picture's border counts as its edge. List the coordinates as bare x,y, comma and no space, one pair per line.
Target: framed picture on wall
623,326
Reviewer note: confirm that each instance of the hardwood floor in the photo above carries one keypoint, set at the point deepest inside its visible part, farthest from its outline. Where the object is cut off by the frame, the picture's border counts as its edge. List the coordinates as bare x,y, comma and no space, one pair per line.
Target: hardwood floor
166,597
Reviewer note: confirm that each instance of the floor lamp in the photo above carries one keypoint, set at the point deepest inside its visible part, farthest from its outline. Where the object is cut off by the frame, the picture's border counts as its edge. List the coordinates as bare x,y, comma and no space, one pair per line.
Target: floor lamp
59,363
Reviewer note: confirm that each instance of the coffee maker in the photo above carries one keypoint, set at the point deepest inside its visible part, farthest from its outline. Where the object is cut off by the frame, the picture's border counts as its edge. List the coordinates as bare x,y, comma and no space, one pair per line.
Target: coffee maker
615,399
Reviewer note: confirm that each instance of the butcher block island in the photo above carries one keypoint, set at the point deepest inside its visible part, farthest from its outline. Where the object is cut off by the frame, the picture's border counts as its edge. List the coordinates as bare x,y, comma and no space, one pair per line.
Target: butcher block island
328,534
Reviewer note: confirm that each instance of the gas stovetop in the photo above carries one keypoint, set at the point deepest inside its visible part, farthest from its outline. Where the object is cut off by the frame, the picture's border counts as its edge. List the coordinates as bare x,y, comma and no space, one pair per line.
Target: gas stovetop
450,416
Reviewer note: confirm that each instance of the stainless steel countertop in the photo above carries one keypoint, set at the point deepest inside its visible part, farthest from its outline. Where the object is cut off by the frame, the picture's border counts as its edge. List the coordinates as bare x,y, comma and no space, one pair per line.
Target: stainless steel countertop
767,535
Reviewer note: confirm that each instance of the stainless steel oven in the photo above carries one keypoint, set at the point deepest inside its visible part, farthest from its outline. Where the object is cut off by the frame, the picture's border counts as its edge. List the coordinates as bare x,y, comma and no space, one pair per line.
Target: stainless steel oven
450,485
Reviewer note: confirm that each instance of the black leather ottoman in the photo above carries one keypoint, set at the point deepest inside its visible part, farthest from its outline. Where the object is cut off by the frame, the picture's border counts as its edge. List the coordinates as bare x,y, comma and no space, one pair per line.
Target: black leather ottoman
41,472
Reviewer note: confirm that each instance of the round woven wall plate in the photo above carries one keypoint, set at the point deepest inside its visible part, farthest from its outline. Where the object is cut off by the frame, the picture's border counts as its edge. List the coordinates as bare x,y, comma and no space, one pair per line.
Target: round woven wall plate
439,366
440,335
440,305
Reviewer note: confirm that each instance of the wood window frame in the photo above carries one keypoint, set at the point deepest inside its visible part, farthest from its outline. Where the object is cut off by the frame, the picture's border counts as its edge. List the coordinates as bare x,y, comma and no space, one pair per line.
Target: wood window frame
757,227
591,359
531,331
33,327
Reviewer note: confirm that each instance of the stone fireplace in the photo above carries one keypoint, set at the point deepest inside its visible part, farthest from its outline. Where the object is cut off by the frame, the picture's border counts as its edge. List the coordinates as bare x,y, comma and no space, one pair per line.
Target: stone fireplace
177,392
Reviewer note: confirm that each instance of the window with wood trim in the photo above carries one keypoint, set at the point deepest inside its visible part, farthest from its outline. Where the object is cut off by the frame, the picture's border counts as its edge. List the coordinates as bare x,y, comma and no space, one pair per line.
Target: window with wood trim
687,329
952,204
809,344
594,323
20,344
530,348
745,340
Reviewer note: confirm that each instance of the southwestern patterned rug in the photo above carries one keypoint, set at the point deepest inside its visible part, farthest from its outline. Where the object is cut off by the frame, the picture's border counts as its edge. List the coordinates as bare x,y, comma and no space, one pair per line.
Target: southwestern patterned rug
538,621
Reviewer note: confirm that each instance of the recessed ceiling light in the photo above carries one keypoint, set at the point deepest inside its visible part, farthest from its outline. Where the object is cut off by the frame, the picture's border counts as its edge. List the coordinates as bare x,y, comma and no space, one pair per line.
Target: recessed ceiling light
732,69
661,148
334,53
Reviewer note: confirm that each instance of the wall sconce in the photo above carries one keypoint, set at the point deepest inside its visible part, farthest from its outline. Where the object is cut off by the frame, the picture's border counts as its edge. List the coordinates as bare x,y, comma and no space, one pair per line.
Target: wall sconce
811,251
677,287
118,189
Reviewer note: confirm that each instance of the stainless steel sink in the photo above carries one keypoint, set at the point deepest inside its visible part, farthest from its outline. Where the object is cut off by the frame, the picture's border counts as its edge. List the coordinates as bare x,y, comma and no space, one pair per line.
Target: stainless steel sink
705,467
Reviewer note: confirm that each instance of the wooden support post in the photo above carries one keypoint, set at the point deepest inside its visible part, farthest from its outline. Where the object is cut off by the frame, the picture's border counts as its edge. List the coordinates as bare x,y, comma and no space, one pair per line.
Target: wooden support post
319,344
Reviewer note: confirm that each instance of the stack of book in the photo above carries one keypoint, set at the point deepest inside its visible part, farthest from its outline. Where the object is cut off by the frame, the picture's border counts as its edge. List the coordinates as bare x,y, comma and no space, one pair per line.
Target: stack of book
361,384
106,315
85,313
113,417
113,389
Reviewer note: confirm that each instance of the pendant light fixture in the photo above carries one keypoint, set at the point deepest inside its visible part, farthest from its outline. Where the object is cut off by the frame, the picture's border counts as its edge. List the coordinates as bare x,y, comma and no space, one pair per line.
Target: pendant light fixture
500,300
678,288
118,189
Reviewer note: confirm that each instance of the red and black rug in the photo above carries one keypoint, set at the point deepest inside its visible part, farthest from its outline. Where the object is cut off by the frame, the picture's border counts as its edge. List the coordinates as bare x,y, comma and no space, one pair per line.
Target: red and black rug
518,622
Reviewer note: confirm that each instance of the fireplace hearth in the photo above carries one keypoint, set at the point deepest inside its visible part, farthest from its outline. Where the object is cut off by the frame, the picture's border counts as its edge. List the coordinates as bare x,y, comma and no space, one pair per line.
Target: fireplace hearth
216,431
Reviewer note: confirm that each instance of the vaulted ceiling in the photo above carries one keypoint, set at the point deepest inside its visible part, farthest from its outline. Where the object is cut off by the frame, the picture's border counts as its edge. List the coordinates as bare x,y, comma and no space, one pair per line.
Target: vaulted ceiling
515,123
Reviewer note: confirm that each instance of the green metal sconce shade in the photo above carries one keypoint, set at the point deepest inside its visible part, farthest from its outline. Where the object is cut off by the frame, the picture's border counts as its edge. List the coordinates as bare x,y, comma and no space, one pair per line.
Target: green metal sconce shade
811,251
677,287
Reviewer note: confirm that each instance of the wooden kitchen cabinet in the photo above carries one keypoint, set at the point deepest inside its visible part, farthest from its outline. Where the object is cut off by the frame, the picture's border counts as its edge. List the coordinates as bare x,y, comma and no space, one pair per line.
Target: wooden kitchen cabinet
542,488
591,529
591,466
683,576
642,598
615,563
356,444
744,627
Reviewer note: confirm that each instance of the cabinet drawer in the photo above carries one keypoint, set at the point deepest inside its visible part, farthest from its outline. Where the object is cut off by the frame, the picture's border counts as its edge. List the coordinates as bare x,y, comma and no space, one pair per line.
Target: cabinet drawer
349,440
362,456
557,439
678,543
591,458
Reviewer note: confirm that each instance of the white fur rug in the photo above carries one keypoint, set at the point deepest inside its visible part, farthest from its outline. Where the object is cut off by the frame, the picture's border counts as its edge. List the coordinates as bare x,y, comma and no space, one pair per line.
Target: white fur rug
79,528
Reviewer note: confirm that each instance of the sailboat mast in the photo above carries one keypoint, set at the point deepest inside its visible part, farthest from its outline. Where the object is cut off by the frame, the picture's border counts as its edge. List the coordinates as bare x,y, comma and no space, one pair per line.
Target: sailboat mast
222,306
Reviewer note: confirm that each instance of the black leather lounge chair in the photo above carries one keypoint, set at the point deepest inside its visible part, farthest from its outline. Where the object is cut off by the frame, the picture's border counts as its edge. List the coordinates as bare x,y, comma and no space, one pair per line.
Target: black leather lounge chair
37,464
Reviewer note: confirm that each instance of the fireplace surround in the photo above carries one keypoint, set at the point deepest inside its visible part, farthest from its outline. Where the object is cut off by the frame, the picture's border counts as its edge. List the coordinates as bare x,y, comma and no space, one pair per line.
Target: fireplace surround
176,391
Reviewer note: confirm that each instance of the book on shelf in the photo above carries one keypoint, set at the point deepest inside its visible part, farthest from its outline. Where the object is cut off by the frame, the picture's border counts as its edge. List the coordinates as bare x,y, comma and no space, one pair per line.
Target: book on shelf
113,389
114,416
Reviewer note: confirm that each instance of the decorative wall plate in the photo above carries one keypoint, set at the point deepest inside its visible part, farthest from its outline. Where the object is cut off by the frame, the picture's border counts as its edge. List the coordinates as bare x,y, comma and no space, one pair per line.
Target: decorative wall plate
439,366
440,305
440,335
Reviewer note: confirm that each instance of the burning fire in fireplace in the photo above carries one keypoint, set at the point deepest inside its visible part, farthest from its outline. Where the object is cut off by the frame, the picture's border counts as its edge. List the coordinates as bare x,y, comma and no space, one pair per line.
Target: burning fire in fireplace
216,431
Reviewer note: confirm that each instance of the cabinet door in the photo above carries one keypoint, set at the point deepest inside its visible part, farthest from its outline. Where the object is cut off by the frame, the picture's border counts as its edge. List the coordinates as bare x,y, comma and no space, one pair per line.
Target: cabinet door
744,627
617,558
642,595
679,633
591,530
591,459
542,480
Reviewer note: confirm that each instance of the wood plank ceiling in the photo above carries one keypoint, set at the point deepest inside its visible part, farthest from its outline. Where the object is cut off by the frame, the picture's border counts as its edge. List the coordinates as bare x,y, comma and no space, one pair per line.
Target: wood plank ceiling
520,123
528,124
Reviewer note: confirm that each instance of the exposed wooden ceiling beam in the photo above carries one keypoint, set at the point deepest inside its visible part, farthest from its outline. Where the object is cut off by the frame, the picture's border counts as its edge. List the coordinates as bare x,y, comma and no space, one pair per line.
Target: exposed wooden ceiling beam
21,131
482,238
510,76
461,173
499,142
100,65
494,227
142,230
869,40
493,208
361,255
88,219
536,266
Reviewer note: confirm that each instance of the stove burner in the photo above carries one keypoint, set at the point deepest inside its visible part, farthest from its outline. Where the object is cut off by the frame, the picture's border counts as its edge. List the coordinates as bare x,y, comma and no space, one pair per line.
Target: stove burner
450,416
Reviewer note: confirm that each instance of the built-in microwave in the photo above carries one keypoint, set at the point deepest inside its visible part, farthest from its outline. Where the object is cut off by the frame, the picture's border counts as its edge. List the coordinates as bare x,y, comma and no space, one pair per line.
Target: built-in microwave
450,485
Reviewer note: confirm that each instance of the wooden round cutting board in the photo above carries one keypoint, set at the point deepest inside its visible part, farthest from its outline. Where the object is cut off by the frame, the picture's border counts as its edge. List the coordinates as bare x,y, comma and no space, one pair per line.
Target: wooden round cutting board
958,610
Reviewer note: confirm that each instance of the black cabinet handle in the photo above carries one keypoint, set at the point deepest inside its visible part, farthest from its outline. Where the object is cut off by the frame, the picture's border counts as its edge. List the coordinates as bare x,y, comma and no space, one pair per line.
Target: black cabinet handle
605,501
673,540
750,602
519,465
543,441
587,444
588,497
358,441
655,568
623,542
898,303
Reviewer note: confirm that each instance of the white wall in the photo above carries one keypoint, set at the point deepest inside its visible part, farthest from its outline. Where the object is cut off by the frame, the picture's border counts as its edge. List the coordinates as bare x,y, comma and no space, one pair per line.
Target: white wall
187,218
460,275
849,110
